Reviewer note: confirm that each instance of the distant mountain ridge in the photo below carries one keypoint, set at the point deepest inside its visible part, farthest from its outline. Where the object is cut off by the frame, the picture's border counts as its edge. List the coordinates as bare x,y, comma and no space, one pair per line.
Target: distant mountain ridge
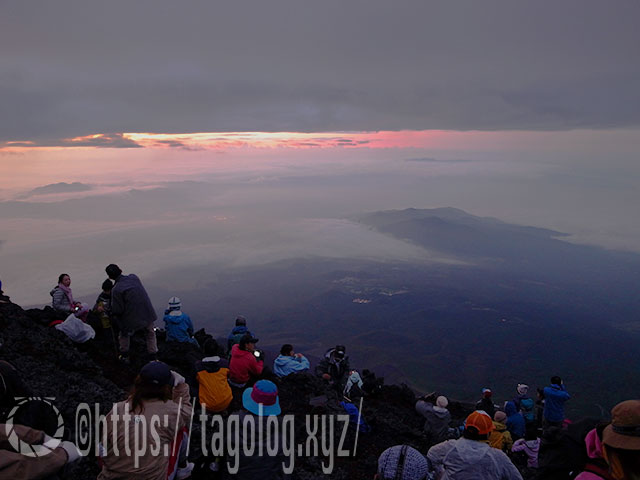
536,251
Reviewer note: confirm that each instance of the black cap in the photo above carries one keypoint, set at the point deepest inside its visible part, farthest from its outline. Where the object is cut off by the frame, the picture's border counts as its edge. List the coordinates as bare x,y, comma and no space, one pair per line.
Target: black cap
247,338
240,320
113,271
157,373
340,350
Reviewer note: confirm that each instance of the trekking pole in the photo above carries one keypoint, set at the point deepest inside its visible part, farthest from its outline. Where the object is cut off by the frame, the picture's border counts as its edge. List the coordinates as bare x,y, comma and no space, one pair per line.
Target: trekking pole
115,345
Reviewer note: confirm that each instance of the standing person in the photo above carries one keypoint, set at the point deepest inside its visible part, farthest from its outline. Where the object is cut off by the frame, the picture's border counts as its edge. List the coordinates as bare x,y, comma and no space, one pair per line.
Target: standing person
486,403
103,304
437,419
155,416
178,324
289,362
555,396
470,457
524,403
62,299
133,311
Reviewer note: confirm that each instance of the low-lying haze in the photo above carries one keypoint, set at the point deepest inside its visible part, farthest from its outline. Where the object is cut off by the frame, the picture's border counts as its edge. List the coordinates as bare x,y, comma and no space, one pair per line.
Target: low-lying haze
153,208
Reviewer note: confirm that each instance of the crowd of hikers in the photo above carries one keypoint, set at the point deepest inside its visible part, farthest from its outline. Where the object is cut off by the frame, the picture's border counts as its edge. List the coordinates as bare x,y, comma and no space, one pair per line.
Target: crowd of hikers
522,437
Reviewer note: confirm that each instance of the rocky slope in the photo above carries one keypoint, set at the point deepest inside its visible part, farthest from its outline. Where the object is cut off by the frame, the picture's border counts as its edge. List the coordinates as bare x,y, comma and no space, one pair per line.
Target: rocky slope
53,366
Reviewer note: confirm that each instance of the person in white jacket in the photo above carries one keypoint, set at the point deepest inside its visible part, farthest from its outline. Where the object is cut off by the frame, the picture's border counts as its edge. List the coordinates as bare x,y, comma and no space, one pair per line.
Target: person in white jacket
470,457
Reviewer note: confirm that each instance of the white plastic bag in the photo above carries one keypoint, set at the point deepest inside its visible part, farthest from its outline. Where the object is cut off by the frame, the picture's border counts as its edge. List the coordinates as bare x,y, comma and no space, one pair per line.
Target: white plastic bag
76,329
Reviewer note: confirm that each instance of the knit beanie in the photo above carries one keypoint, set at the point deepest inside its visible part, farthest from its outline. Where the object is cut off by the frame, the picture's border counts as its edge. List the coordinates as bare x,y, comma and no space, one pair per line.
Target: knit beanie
404,460
500,416
442,401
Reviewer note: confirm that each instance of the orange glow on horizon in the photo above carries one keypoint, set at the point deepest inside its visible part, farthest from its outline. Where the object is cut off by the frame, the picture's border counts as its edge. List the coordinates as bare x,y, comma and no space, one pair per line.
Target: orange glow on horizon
245,140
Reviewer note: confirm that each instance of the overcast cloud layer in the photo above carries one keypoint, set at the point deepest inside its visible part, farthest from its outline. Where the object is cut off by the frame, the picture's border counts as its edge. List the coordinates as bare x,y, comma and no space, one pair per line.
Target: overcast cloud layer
73,68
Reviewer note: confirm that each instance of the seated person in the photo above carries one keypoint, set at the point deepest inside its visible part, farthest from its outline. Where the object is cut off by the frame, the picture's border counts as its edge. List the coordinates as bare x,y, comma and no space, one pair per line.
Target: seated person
239,331
265,458
63,302
245,362
178,324
289,362
158,393
500,437
437,418
401,462
470,456
334,367
54,454
214,390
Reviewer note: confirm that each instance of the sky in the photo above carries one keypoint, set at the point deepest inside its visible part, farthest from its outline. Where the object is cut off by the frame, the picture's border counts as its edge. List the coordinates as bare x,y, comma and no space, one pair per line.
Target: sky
252,130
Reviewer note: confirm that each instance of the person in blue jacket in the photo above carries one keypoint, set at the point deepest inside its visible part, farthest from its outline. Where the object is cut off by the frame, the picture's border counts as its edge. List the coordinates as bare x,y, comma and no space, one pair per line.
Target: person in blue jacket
515,421
555,395
289,362
239,331
178,324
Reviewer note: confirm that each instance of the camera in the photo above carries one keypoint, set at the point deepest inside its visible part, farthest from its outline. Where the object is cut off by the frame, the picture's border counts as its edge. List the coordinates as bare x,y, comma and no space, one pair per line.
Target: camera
76,308
258,354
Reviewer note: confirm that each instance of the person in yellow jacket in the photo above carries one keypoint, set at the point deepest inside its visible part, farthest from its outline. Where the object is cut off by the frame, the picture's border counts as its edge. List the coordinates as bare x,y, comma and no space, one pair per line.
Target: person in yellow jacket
214,390
500,437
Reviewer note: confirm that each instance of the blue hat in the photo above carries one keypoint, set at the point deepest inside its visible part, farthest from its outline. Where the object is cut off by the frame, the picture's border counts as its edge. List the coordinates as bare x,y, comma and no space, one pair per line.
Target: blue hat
156,373
262,399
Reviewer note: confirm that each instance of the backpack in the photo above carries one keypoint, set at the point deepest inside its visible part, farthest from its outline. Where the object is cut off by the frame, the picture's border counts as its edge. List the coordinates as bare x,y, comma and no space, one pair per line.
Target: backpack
526,407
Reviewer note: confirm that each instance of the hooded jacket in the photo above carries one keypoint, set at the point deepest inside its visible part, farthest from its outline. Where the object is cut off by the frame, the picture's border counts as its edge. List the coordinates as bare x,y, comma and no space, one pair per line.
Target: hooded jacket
179,327
465,459
437,420
214,392
130,304
596,468
500,437
531,448
515,421
554,398
284,365
236,334
243,364
524,404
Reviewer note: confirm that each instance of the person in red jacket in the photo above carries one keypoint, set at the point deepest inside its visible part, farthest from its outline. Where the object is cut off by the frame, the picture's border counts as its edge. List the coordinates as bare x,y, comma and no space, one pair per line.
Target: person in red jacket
245,362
